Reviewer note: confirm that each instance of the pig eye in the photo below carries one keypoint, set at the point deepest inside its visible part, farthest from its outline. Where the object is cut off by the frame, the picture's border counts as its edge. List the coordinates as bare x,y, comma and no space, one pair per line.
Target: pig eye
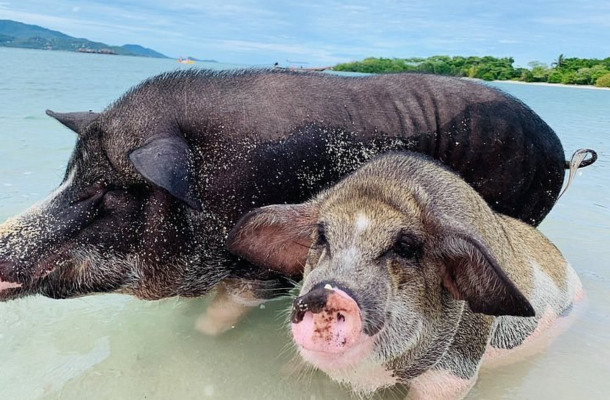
321,241
407,246
113,200
91,191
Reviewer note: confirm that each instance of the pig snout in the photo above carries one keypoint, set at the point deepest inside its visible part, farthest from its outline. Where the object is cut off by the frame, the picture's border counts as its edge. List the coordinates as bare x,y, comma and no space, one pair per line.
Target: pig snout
326,320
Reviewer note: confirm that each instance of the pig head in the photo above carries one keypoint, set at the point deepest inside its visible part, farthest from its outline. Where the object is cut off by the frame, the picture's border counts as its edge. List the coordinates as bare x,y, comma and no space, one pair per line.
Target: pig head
108,225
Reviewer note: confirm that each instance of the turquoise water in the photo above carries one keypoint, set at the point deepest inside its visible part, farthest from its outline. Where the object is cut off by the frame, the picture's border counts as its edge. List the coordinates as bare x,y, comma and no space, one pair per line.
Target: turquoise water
117,347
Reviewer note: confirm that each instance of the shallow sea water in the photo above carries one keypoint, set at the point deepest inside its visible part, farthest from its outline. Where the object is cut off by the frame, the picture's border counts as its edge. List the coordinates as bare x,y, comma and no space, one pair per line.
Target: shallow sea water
118,347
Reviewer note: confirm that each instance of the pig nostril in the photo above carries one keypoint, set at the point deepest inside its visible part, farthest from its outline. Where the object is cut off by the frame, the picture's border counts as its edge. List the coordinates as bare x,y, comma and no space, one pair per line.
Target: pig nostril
340,317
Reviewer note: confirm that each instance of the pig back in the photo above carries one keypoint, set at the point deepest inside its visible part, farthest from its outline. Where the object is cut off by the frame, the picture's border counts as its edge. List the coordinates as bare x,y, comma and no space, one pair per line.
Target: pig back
495,142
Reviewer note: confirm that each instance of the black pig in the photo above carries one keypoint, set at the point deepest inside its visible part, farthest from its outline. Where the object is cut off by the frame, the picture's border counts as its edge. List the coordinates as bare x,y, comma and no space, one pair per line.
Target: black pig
157,180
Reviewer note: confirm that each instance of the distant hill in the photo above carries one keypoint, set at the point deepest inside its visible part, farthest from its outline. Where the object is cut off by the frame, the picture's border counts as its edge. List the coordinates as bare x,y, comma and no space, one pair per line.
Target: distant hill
208,61
143,51
17,34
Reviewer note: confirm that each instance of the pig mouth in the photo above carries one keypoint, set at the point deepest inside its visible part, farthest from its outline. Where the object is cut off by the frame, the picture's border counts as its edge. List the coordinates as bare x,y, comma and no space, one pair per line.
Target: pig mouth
335,361
18,279
15,283
32,249
9,285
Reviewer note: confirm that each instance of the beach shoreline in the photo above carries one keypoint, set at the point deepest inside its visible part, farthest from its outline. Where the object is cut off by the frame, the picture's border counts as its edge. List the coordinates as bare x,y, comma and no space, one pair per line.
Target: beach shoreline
590,87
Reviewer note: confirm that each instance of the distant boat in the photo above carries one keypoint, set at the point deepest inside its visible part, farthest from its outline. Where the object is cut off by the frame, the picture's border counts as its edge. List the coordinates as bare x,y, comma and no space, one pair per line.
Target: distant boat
185,61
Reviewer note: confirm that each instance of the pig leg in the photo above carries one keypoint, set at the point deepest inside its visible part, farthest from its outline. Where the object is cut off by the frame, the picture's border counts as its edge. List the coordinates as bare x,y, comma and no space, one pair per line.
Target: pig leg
457,371
233,300
439,385
235,297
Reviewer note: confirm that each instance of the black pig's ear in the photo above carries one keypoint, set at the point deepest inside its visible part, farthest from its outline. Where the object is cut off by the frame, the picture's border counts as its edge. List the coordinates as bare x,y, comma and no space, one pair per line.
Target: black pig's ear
471,273
167,162
276,237
76,121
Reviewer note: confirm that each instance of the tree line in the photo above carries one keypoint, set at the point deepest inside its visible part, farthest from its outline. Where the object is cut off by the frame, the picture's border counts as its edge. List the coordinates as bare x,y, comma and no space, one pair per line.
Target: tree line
571,71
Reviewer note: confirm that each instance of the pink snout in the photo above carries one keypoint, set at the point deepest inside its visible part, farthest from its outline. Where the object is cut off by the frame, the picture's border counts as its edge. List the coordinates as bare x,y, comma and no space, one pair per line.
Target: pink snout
326,320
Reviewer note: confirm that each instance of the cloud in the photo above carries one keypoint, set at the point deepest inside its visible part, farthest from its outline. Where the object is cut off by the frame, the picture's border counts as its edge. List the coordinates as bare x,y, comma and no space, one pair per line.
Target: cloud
600,21
326,31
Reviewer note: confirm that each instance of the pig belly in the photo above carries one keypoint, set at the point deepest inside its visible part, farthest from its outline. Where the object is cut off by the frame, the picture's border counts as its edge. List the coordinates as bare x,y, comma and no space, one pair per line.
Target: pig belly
549,327
439,385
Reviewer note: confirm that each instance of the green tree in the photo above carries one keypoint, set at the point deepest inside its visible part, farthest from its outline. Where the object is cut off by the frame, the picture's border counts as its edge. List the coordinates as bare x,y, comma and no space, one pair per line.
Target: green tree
583,76
569,78
572,70
554,77
559,62
540,71
599,70
603,81
527,76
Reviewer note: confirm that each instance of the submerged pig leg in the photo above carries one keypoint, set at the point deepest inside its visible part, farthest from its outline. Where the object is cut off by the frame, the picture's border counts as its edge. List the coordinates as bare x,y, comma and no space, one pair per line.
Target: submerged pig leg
232,301
457,371
439,385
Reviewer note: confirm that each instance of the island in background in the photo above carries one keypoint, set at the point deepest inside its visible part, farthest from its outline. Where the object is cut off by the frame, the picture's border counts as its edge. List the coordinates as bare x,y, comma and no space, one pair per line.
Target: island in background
569,71
17,34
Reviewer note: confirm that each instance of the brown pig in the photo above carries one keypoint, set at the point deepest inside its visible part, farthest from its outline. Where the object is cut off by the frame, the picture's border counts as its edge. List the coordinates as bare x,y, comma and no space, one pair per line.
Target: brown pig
410,278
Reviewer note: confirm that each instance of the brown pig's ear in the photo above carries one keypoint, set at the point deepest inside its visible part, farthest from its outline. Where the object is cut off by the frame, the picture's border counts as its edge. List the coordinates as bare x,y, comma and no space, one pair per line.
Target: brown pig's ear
471,273
276,237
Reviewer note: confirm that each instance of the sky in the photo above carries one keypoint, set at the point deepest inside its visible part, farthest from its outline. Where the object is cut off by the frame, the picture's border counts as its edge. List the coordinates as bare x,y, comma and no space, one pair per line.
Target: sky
320,33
